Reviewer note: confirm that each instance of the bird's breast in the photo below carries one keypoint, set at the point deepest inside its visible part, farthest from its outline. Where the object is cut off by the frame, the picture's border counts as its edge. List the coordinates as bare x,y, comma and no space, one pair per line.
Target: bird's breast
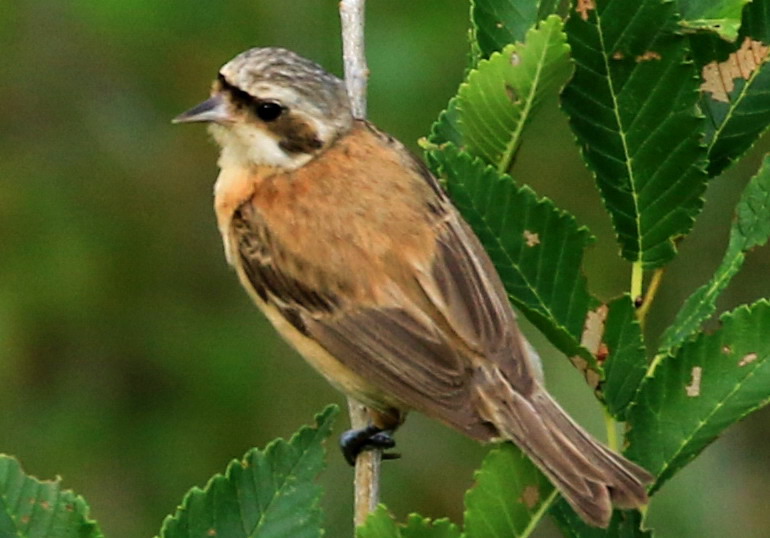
354,217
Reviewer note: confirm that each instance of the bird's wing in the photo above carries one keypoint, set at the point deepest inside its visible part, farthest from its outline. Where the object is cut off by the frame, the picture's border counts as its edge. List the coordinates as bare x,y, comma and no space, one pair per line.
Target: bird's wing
424,344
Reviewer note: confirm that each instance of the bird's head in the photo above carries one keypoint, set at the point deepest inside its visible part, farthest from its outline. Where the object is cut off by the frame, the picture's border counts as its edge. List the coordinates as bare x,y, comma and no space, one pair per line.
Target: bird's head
272,107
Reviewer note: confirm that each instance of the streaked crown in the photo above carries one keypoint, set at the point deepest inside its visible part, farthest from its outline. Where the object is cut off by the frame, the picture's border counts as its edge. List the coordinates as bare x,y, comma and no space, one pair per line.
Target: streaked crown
262,72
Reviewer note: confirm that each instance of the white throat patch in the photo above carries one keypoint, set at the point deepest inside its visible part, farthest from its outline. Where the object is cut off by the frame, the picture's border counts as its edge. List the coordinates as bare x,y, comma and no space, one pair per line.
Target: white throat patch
246,145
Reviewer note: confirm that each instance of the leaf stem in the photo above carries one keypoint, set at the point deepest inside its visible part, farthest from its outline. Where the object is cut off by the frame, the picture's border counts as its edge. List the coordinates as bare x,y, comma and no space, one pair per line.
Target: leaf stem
637,280
657,277
538,515
654,364
612,431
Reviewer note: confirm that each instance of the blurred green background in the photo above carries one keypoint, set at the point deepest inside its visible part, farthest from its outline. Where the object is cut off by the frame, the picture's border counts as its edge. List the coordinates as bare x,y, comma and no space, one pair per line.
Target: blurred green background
132,364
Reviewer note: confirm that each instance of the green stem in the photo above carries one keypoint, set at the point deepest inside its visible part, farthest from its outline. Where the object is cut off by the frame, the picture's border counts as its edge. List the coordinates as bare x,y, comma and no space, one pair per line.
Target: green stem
641,313
637,280
654,364
541,511
612,431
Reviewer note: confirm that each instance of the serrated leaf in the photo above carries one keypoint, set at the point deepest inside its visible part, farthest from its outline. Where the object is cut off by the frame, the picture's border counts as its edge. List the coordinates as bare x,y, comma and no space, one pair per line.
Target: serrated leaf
269,494
510,495
31,508
750,229
447,128
626,362
736,101
420,527
709,384
624,524
536,248
752,224
720,16
498,23
500,96
380,524
631,104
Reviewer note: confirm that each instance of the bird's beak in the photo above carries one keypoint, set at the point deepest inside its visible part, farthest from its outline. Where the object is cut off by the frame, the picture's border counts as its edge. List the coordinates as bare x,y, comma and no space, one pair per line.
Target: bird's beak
213,109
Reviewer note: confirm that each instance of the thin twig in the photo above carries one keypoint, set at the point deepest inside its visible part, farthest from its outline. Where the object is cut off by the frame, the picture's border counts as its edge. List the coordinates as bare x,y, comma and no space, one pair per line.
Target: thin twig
367,479
356,71
367,474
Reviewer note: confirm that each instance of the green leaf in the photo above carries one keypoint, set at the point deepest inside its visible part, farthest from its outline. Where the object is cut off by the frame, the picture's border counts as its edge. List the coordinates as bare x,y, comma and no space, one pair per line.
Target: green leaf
735,96
446,128
624,524
750,229
720,16
380,524
497,23
536,248
270,493
510,496
756,21
548,7
711,382
631,104
626,362
502,93
33,508
420,527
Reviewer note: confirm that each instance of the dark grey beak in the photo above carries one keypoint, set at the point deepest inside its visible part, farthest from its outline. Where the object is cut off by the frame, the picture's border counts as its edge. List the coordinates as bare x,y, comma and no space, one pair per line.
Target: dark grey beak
212,109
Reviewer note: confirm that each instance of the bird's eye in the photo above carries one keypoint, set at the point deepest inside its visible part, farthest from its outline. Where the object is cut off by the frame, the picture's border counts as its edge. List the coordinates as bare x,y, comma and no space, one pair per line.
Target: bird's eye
268,111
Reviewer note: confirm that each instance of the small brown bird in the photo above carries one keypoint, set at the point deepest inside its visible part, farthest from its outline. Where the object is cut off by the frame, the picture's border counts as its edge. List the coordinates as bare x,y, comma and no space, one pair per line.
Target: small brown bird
353,251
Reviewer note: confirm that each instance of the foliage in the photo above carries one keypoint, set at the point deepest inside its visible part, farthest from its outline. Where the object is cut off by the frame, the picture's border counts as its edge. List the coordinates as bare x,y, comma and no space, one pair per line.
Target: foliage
720,16
625,364
658,105
693,394
509,497
662,97
31,508
632,107
269,493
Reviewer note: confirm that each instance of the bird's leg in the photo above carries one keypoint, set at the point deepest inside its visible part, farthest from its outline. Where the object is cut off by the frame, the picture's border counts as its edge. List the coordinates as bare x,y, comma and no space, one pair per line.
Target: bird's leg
352,442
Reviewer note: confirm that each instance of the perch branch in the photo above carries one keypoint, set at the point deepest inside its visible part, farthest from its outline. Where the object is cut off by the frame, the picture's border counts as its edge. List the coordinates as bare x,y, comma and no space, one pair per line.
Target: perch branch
356,71
367,474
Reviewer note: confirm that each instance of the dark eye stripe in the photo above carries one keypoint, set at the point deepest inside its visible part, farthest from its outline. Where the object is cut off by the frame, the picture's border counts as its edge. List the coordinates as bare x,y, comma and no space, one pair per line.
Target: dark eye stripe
295,136
265,110
238,96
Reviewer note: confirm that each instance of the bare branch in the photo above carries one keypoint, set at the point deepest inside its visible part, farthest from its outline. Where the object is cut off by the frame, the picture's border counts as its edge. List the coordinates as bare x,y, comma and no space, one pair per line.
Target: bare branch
367,480
367,476
356,71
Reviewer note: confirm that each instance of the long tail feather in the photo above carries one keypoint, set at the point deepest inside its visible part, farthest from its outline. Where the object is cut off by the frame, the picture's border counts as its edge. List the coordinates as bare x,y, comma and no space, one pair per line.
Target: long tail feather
590,476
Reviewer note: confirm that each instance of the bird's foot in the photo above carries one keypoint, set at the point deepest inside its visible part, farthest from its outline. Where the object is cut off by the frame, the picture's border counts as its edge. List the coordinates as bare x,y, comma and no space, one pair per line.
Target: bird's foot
353,442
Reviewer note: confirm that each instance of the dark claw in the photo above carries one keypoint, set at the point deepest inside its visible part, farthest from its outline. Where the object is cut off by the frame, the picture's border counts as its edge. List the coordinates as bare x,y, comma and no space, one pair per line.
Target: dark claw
353,442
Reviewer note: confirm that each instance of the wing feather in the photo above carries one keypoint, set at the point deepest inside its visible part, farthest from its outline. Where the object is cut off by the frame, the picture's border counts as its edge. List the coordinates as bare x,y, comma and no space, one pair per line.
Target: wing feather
422,344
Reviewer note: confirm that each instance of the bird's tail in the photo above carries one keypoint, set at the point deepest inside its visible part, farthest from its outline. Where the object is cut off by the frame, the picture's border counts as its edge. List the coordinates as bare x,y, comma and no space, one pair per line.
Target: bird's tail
590,476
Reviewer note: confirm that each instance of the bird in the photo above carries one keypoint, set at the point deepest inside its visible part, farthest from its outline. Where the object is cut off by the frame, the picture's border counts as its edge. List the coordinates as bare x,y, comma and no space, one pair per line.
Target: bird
354,252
